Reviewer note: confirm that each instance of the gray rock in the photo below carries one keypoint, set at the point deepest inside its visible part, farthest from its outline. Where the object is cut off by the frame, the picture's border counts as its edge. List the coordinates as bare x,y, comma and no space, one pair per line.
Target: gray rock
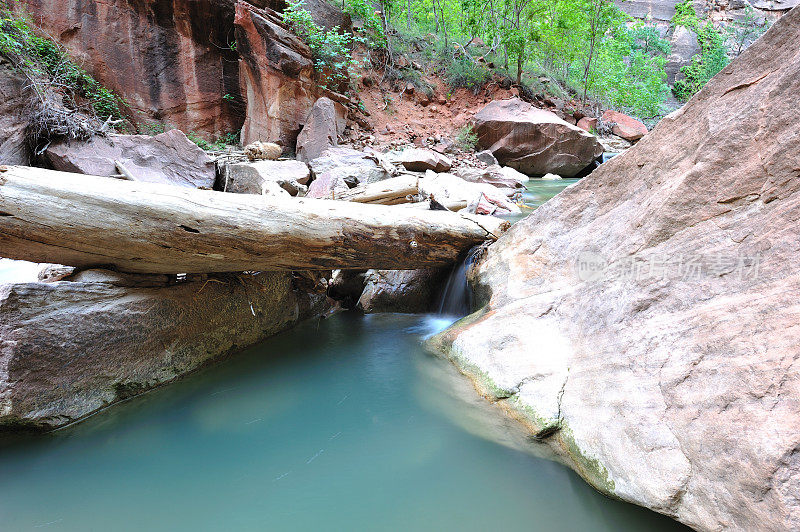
493,175
68,349
401,290
683,45
169,158
486,157
354,167
418,160
249,178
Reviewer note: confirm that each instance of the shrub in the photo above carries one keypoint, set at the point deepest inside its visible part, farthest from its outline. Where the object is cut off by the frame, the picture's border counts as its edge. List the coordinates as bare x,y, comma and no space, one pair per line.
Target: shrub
466,139
42,58
463,72
713,55
330,49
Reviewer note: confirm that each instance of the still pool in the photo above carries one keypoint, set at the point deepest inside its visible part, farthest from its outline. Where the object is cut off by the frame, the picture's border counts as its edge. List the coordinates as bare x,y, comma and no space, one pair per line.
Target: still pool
537,191
340,424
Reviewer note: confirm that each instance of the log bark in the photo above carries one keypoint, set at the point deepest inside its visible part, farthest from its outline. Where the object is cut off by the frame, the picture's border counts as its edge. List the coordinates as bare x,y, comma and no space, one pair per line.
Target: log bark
89,221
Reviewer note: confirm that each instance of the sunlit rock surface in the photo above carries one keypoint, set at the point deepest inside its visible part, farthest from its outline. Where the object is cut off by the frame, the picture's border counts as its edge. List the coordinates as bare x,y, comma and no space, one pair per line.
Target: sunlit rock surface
645,322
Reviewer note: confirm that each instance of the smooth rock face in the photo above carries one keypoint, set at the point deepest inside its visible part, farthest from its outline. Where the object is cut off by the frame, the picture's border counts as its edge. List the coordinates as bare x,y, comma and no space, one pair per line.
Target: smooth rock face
276,76
322,129
534,141
170,59
401,290
68,348
651,310
169,158
14,101
417,160
249,178
625,127
355,167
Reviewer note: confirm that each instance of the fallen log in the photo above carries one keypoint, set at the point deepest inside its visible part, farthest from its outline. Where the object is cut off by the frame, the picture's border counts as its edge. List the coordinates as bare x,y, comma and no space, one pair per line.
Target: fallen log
89,221
387,192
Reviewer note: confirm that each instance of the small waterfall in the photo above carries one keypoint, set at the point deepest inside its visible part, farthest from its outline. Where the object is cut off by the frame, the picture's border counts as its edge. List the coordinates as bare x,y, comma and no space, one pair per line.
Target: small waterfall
456,299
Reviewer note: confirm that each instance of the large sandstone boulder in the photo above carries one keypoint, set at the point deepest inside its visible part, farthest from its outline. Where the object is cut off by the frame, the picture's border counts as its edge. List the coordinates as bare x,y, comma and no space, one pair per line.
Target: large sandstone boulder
171,60
70,348
169,158
322,129
14,102
534,141
645,321
276,76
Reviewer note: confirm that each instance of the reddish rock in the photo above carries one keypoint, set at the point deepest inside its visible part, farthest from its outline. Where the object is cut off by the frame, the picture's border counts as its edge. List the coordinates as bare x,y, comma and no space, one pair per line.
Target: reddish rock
169,158
326,185
170,59
626,127
417,160
276,76
322,129
588,124
534,141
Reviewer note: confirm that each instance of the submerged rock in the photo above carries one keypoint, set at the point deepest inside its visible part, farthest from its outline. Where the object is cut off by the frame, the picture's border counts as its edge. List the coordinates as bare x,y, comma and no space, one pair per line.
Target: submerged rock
645,320
534,141
169,158
70,348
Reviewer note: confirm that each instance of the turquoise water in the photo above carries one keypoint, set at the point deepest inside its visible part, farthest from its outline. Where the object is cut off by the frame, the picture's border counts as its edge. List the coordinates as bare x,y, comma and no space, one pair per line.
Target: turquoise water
340,424
537,192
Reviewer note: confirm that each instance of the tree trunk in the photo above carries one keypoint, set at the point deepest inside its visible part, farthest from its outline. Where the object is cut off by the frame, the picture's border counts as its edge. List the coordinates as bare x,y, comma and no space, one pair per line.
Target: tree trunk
88,221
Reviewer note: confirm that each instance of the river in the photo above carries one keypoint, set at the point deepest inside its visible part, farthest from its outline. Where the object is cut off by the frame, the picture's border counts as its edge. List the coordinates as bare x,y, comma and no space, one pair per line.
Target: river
345,423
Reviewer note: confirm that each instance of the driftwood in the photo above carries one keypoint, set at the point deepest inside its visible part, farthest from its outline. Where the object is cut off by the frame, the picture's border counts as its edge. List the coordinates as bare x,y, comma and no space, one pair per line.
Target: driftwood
88,221
392,191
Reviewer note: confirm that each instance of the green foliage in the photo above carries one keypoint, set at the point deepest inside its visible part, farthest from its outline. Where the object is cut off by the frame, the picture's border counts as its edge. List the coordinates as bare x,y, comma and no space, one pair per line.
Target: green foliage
222,142
331,49
41,57
466,139
713,55
464,72
630,69
742,31
364,10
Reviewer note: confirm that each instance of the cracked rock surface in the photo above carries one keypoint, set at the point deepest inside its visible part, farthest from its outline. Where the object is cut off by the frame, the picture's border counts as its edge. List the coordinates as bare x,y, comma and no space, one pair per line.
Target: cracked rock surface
650,313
